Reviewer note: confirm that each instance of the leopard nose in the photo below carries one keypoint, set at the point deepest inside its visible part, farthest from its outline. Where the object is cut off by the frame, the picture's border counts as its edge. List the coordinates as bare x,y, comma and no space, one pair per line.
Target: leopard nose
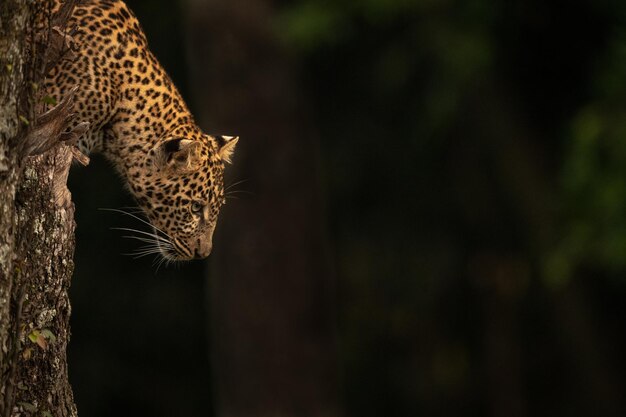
203,249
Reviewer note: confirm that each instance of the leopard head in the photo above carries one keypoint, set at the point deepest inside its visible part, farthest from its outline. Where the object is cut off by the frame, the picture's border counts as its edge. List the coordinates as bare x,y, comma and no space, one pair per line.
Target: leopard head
182,192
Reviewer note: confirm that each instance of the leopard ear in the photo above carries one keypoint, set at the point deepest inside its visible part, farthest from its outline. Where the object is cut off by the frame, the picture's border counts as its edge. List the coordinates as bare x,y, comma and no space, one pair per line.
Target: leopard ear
178,154
226,147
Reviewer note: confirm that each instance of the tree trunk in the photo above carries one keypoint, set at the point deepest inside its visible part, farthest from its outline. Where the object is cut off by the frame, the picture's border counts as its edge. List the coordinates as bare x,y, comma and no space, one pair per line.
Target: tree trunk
36,228
272,314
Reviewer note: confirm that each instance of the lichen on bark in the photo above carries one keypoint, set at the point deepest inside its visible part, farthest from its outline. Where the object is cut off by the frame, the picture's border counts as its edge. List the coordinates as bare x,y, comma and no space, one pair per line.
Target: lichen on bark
44,266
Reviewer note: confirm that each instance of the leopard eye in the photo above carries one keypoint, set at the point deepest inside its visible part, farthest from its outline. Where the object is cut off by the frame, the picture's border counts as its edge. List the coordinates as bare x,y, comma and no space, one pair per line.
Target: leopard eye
196,207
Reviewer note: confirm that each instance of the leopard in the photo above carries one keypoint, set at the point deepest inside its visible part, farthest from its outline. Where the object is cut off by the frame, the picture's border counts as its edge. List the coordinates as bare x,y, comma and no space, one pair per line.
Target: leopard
139,121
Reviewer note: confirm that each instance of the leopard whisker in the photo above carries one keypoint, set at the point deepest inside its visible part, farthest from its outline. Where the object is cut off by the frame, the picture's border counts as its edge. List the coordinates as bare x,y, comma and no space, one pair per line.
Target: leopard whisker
138,218
132,209
151,240
137,255
231,185
229,193
143,249
152,235
146,251
157,245
160,262
143,239
154,247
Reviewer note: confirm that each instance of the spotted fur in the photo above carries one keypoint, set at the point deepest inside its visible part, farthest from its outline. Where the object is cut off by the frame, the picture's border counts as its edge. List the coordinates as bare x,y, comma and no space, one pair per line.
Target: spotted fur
139,121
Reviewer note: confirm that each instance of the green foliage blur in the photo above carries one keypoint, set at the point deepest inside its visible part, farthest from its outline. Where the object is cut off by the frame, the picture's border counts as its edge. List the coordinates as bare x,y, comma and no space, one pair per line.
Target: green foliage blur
473,166
474,163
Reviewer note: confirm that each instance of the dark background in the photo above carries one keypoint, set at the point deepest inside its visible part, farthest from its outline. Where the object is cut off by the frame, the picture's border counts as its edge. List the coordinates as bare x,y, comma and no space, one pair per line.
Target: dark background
469,162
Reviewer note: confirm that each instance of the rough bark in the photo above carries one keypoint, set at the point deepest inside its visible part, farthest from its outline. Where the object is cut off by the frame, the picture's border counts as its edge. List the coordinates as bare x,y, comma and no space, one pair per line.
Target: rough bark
36,222
14,15
271,286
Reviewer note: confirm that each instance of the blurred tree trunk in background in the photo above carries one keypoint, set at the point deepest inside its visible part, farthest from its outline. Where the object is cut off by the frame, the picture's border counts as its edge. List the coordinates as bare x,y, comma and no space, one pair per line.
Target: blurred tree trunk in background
36,230
272,293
